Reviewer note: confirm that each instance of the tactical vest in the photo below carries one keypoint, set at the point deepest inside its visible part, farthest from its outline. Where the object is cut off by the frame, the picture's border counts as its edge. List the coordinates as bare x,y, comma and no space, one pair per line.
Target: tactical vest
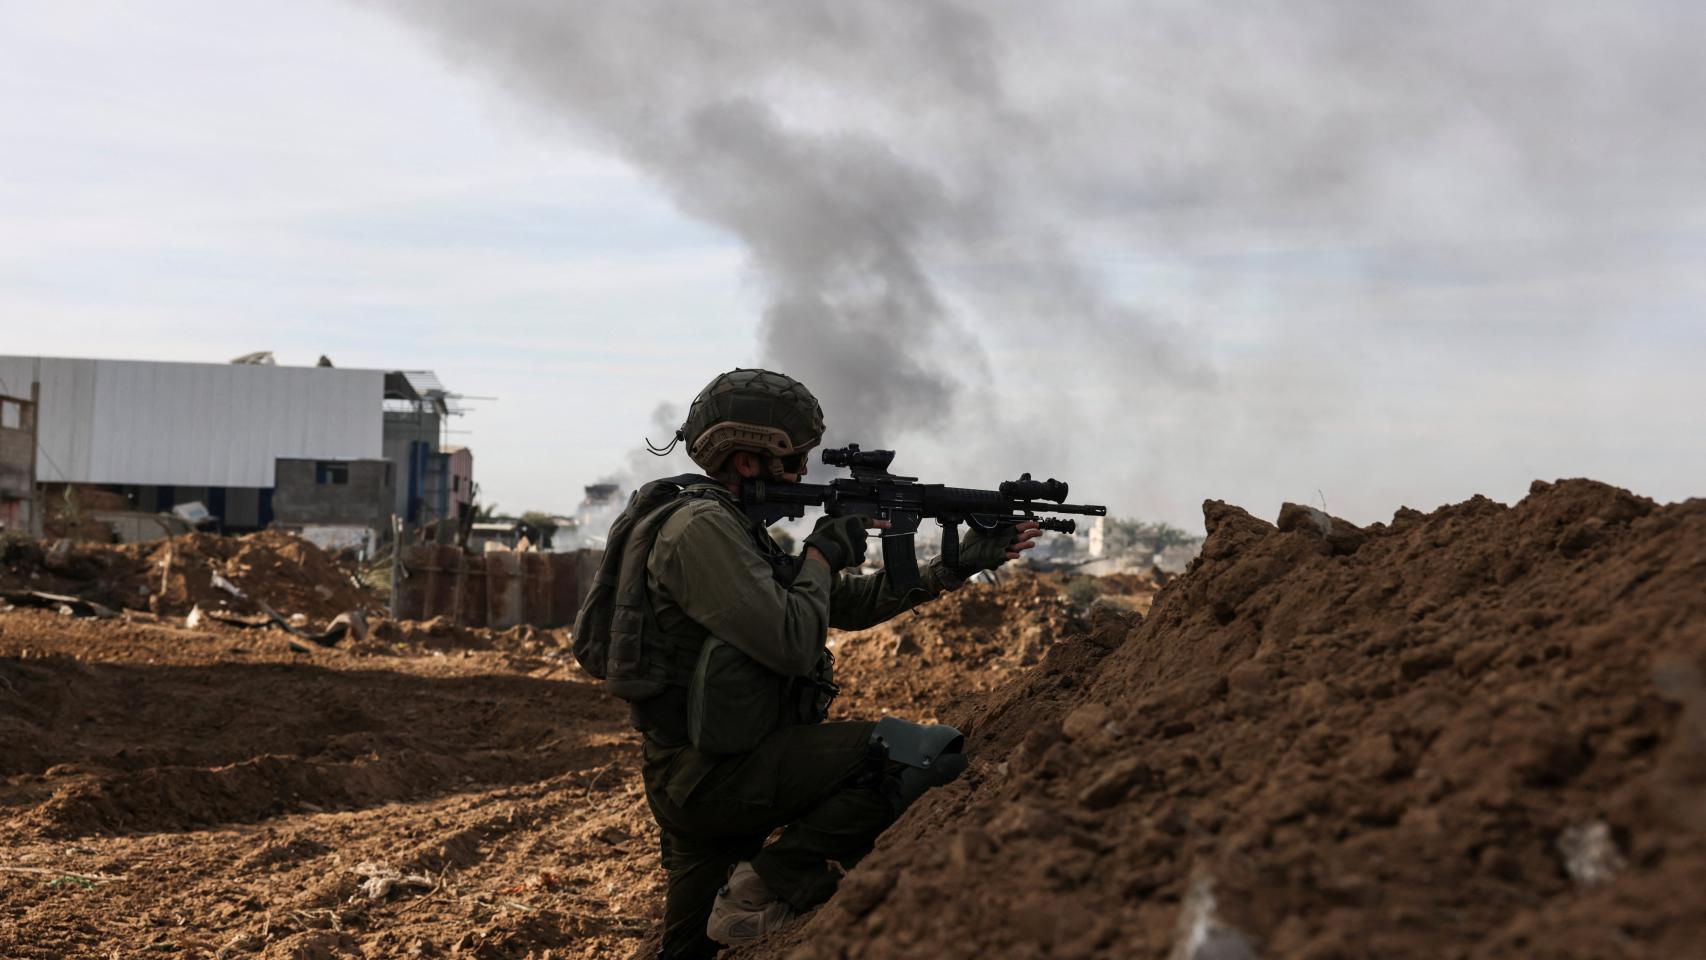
686,687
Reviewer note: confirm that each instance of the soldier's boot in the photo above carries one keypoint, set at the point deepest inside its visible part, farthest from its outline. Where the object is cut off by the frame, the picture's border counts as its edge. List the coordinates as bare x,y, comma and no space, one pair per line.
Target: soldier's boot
745,909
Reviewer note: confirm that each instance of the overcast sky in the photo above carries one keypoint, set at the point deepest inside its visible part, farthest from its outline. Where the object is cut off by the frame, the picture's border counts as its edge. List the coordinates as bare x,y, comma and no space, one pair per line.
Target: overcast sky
1290,255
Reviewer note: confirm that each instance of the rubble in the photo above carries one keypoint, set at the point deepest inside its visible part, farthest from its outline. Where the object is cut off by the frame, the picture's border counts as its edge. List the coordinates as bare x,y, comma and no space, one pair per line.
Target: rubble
378,880
172,577
967,642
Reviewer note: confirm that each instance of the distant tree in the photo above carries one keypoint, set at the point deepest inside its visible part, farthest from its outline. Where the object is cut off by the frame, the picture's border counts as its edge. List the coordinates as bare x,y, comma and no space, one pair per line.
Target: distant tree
1123,535
783,538
541,526
1163,535
1083,591
485,512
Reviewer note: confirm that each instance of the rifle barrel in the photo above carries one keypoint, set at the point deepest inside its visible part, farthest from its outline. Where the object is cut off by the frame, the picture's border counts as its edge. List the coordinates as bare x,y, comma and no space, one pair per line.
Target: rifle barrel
925,499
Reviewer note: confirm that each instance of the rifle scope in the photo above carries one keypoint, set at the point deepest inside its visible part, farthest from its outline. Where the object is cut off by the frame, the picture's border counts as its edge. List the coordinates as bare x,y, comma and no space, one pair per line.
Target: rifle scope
1025,488
852,457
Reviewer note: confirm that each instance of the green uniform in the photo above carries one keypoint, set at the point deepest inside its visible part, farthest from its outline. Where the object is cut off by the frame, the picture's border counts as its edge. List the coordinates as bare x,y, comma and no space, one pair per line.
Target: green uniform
712,571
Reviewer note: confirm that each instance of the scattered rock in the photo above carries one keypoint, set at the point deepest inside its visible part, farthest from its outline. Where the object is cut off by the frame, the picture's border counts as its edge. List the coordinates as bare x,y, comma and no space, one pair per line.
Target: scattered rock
1087,722
1590,854
1115,782
1201,934
1343,538
379,880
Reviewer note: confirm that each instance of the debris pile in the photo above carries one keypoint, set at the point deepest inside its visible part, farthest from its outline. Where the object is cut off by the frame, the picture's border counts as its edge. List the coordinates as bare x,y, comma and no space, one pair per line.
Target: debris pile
280,569
964,643
174,577
65,511
1476,732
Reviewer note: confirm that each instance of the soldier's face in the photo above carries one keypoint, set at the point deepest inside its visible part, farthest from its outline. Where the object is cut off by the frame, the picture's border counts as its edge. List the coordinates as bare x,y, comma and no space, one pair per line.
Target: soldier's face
750,465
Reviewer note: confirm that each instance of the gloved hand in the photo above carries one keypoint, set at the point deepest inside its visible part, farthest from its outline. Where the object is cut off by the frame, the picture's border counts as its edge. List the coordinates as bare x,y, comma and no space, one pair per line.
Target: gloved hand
988,549
841,540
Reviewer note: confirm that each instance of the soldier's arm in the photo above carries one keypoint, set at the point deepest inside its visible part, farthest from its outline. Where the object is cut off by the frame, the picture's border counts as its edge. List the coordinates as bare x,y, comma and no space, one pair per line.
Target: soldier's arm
857,602
706,562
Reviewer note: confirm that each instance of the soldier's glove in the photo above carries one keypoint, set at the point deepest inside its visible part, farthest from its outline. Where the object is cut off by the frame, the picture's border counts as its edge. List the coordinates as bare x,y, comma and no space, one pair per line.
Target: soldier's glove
984,549
841,540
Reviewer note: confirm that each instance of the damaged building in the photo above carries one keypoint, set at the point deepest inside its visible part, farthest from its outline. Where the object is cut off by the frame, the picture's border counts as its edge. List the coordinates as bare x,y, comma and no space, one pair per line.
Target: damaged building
330,452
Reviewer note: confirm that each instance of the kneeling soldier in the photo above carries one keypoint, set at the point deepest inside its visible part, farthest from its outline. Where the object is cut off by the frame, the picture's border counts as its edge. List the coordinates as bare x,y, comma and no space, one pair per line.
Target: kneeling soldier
716,636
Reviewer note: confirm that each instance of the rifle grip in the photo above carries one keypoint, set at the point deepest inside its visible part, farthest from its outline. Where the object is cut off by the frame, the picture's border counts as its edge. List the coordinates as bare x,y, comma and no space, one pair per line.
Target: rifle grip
900,561
950,543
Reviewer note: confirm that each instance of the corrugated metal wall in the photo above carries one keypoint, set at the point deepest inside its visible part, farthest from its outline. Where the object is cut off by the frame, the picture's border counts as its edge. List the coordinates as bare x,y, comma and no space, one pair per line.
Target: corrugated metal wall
194,424
498,590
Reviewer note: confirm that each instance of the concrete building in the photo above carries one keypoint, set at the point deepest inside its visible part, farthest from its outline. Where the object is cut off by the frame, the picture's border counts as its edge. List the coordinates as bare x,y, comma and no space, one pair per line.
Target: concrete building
17,463
164,434
355,493
434,481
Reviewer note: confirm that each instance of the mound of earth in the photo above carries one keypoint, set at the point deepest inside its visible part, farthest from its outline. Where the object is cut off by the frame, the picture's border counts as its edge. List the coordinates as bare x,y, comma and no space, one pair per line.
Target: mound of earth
1479,732
284,570
173,576
923,662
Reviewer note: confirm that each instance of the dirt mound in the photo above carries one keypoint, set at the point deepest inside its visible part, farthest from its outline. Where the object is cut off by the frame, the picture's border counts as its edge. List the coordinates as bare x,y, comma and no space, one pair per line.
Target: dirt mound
285,571
65,511
173,576
1478,732
921,663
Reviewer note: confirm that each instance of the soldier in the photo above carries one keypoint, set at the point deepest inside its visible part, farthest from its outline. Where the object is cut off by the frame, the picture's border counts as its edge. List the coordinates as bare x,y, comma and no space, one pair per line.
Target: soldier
741,680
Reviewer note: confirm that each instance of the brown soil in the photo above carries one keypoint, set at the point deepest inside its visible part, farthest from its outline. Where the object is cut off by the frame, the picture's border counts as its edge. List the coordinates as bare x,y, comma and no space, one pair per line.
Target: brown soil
220,791
1320,742
287,572
1326,742
65,511
924,663
212,793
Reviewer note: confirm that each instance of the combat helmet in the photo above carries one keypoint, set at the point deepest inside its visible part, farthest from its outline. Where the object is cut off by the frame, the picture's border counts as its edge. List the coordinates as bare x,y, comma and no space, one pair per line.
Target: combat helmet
755,410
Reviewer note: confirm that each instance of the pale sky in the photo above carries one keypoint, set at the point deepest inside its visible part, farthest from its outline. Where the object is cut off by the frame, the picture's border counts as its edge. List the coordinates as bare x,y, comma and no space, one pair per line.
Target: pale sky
196,180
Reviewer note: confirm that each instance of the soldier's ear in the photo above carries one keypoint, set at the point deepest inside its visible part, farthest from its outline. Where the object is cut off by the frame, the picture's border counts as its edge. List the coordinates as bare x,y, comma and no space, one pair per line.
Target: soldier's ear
746,464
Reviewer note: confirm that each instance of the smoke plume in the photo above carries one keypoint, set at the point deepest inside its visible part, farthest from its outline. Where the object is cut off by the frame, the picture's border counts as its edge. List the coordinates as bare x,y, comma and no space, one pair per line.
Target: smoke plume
1159,243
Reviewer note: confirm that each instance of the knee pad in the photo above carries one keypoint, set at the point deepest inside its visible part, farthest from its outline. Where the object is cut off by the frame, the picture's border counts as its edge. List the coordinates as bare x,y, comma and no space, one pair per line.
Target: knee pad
927,755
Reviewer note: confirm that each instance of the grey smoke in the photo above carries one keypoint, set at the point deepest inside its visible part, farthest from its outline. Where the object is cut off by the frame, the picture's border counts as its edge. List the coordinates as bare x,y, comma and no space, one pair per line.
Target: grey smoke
1165,243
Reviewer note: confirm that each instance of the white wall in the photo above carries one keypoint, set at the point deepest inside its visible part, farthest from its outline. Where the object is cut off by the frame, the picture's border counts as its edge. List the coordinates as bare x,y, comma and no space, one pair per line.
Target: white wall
193,424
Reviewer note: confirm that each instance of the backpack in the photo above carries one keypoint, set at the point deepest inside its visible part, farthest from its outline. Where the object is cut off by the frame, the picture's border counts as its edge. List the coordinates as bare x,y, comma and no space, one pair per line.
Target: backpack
730,701
610,629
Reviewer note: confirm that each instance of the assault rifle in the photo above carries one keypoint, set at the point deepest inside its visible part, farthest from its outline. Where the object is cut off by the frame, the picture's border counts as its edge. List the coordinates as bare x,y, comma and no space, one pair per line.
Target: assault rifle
874,492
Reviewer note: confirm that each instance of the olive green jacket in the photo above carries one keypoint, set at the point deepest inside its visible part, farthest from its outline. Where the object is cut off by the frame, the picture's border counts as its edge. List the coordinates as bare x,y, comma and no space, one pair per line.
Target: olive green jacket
710,572
710,568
